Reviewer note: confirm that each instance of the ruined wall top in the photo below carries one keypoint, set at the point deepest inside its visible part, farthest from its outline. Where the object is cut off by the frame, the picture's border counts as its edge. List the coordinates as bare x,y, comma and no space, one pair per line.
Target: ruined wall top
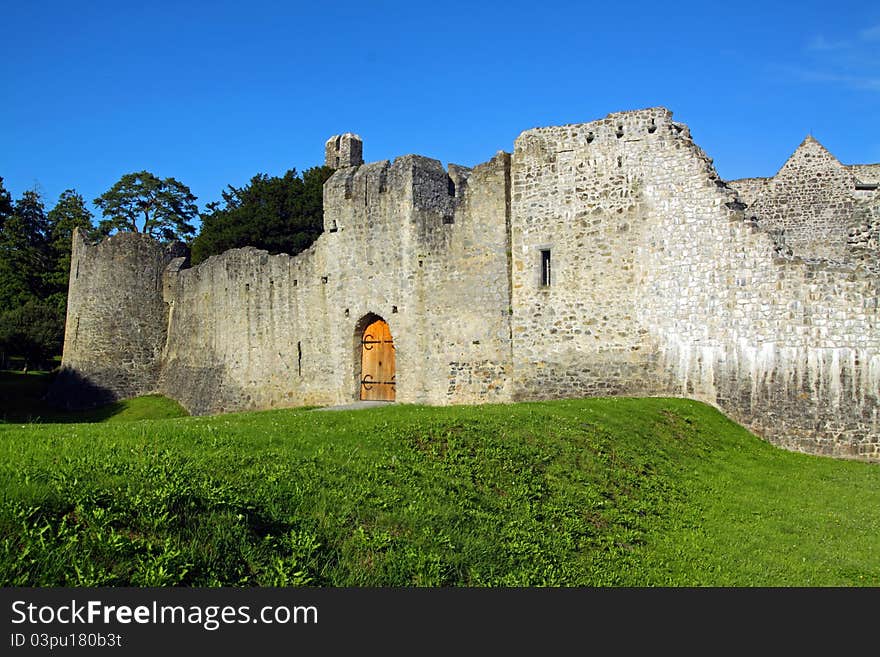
866,173
617,127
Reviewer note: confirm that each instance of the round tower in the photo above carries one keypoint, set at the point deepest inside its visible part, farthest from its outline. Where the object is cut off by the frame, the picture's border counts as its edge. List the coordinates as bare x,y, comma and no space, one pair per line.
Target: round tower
116,320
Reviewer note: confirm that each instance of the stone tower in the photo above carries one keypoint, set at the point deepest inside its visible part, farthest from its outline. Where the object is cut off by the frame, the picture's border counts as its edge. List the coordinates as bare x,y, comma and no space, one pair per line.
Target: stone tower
116,319
342,151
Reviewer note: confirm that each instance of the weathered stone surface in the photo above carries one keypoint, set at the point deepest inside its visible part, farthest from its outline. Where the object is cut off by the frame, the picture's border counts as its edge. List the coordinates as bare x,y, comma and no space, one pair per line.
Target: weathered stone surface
663,279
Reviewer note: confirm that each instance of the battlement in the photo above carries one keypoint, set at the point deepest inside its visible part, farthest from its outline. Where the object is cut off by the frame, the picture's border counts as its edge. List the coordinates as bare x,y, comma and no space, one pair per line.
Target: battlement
411,183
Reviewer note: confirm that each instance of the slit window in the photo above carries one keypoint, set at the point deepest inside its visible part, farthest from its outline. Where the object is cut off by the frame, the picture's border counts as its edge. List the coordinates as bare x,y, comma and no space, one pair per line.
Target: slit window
546,274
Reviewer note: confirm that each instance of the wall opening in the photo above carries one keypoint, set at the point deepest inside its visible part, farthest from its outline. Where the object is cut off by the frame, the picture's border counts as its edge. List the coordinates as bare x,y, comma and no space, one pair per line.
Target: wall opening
546,274
376,359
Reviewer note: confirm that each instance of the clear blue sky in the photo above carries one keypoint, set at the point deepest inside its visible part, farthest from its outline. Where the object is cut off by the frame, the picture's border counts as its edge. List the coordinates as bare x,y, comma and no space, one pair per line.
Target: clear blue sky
212,93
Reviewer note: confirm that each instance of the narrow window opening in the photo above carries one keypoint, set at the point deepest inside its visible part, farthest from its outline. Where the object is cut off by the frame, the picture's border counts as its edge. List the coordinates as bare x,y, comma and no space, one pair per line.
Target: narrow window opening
299,358
545,267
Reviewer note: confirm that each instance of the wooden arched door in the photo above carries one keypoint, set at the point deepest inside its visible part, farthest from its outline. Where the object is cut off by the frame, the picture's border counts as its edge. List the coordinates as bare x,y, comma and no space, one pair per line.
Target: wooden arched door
377,362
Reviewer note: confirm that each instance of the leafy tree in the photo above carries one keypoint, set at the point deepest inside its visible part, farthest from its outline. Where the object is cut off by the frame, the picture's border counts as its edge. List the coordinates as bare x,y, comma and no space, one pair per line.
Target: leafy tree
34,330
141,202
70,212
280,214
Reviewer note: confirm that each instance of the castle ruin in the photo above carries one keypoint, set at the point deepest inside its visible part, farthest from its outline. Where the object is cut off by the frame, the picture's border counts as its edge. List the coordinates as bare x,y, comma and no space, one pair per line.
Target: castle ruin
605,258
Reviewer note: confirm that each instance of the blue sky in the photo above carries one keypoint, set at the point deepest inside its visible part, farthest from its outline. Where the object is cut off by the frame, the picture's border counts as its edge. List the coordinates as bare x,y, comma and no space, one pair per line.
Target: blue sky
212,93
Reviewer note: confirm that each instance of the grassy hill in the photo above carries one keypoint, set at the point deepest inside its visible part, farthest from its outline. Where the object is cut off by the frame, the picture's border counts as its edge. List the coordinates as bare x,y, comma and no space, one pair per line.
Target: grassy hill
599,492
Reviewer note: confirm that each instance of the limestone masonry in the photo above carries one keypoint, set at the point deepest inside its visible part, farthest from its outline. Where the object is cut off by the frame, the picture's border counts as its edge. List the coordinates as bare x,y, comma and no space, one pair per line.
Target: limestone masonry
606,258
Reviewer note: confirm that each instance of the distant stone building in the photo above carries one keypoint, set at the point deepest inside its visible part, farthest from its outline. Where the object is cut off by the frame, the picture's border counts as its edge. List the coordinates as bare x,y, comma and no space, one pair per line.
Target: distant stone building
606,258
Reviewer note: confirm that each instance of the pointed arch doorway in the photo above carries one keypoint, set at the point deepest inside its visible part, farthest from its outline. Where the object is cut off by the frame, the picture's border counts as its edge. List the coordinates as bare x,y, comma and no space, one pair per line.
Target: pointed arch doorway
377,381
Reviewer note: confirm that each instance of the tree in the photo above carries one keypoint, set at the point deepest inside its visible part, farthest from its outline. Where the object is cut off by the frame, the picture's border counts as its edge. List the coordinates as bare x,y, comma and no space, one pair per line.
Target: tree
70,212
23,252
5,204
142,203
34,270
280,214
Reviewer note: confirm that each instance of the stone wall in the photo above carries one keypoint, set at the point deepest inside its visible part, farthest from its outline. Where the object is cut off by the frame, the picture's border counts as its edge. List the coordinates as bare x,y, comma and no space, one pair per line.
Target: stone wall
598,259
578,193
402,242
788,346
662,284
866,173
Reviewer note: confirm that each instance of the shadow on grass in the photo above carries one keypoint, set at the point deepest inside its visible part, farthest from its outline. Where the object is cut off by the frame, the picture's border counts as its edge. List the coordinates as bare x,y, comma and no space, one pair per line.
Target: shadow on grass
23,399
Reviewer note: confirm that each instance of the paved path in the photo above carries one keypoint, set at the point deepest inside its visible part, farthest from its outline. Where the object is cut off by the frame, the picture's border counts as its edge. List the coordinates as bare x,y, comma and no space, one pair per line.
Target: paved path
353,406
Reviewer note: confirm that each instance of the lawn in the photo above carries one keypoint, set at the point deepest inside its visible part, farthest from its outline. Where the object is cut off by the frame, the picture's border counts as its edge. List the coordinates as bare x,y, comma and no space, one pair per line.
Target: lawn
596,492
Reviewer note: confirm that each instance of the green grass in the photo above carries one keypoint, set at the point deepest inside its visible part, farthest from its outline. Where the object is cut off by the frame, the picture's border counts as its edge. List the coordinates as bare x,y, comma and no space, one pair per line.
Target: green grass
21,400
599,492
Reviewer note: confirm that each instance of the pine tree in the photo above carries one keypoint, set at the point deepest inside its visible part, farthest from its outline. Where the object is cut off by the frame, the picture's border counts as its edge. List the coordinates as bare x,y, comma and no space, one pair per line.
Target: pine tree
142,203
24,252
70,212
